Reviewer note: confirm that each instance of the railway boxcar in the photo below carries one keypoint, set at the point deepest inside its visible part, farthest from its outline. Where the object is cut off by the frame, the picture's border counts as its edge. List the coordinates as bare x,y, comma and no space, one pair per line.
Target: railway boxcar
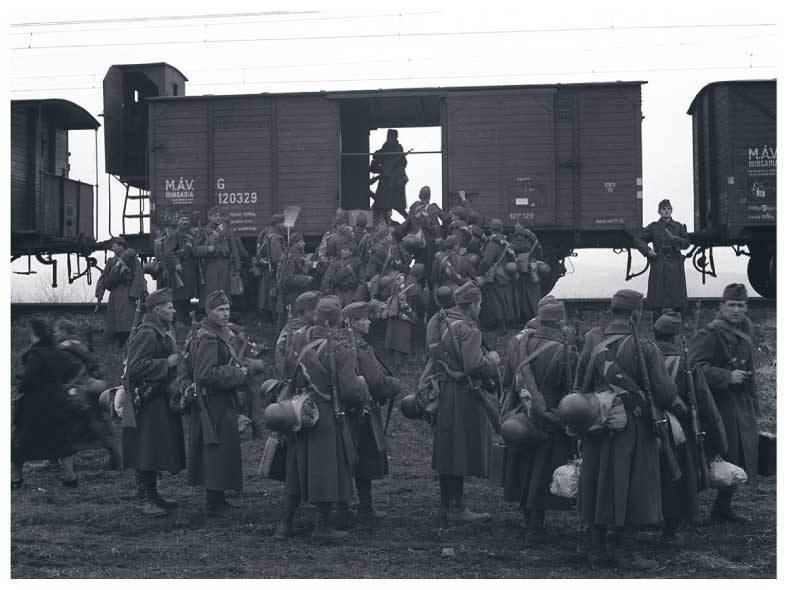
563,159
735,165
50,212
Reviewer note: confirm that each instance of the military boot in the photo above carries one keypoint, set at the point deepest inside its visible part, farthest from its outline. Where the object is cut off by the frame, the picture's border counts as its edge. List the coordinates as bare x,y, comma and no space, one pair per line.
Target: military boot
599,554
323,531
459,513
534,531
623,542
722,510
444,497
158,500
115,461
147,507
344,517
216,503
367,514
286,527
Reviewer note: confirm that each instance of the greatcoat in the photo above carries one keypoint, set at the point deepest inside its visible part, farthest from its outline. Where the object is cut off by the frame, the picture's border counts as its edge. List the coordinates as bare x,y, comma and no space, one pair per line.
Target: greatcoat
216,267
498,288
462,436
156,444
270,249
738,404
126,283
666,284
620,472
216,466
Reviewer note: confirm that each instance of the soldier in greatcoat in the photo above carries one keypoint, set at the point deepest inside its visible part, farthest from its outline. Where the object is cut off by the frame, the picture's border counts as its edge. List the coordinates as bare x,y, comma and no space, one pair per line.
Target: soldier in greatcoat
453,268
216,249
318,470
427,217
302,316
123,278
155,443
498,283
366,419
407,303
723,351
620,473
271,245
216,465
526,286
185,276
389,162
344,274
293,277
529,471
666,286
462,437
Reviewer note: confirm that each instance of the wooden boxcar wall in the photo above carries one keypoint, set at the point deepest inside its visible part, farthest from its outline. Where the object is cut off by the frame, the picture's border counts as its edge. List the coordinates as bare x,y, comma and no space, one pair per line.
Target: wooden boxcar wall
734,157
567,157
250,155
38,150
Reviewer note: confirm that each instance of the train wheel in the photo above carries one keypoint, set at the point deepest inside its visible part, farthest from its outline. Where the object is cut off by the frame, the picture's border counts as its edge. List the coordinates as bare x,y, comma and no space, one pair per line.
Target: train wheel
761,273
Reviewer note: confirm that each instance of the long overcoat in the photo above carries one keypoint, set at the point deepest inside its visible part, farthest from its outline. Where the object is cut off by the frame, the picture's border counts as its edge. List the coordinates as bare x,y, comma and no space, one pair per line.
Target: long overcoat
317,468
666,284
390,162
526,286
497,297
125,287
179,248
217,265
342,278
528,471
216,466
293,278
373,461
738,404
156,444
270,241
462,437
46,424
620,472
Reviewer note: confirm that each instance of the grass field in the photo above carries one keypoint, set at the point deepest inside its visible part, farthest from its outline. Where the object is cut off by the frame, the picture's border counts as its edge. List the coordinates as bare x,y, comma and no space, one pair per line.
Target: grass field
95,530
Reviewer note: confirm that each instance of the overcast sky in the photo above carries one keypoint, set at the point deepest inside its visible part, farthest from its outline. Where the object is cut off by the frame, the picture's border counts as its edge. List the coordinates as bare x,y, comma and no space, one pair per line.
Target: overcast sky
677,47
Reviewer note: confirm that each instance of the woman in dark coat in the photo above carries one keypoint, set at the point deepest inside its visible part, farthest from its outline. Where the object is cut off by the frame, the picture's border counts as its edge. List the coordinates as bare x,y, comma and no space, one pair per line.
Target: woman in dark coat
45,422
217,465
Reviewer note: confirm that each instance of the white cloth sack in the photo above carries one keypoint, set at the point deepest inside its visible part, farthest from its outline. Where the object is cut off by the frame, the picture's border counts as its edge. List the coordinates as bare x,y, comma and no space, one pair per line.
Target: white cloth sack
724,474
565,481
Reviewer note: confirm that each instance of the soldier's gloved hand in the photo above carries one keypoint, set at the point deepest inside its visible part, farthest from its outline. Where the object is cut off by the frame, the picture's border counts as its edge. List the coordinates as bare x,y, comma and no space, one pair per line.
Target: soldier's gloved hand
679,409
737,377
172,359
631,403
494,357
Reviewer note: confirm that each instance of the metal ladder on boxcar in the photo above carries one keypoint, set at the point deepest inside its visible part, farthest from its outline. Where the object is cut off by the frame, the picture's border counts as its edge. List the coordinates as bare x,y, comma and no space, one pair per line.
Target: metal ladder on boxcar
143,200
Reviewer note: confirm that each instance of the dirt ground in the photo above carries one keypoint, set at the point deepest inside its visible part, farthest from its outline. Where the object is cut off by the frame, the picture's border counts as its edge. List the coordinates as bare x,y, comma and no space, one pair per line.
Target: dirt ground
96,531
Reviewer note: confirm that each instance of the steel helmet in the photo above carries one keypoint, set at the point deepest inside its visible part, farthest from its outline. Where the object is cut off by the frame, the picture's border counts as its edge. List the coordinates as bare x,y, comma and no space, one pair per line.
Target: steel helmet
520,431
511,268
410,407
579,409
445,296
280,416
543,268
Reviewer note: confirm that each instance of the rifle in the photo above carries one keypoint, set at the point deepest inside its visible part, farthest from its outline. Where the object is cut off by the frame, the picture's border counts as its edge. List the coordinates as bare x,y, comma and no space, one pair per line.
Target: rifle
344,433
698,433
491,412
208,428
659,421
566,354
379,438
132,401
390,401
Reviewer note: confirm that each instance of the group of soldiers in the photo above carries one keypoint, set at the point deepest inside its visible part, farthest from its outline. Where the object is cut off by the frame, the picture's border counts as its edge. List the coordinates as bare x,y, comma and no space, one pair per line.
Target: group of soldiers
463,281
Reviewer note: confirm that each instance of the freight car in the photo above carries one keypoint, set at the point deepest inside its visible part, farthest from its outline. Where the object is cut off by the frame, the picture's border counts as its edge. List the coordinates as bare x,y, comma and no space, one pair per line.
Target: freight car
734,169
50,212
563,159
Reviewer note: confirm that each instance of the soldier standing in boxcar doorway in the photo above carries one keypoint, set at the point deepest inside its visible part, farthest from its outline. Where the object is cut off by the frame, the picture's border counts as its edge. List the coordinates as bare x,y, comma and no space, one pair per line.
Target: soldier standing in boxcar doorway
217,464
389,162
666,286
216,250
270,249
723,351
123,278
155,443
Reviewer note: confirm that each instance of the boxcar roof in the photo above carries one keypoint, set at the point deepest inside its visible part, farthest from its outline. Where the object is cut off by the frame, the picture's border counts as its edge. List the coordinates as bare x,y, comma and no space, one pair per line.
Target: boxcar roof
148,65
400,92
721,82
68,114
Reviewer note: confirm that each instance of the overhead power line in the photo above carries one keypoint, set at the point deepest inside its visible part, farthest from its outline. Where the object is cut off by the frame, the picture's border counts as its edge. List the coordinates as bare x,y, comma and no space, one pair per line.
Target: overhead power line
397,35
436,77
160,18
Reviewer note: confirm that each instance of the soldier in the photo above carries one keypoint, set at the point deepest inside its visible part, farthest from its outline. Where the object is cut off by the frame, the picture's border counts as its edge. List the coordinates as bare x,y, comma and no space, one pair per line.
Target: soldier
185,285
123,278
497,285
216,464
156,442
216,249
318,468
681,498
620,474
344,275
270,249
666,286
367,419
363,238
293,276
389,164
540,369
453,268
406,306
462,437
302,316
526,287
477,236
428,217
723,351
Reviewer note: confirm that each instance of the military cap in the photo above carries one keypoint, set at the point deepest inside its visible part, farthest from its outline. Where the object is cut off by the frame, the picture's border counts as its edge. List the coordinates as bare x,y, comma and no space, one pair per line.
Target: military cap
425,193
551,312
664,203
669,323
307,300
735,292
627,299
417,269
459,212
469,292
377,309
158,297
215,209
357,310
118,240
216,299
439,243
295,237
451,241
444,296
533,324
361,220
276,218
328,309
546,299
496,224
